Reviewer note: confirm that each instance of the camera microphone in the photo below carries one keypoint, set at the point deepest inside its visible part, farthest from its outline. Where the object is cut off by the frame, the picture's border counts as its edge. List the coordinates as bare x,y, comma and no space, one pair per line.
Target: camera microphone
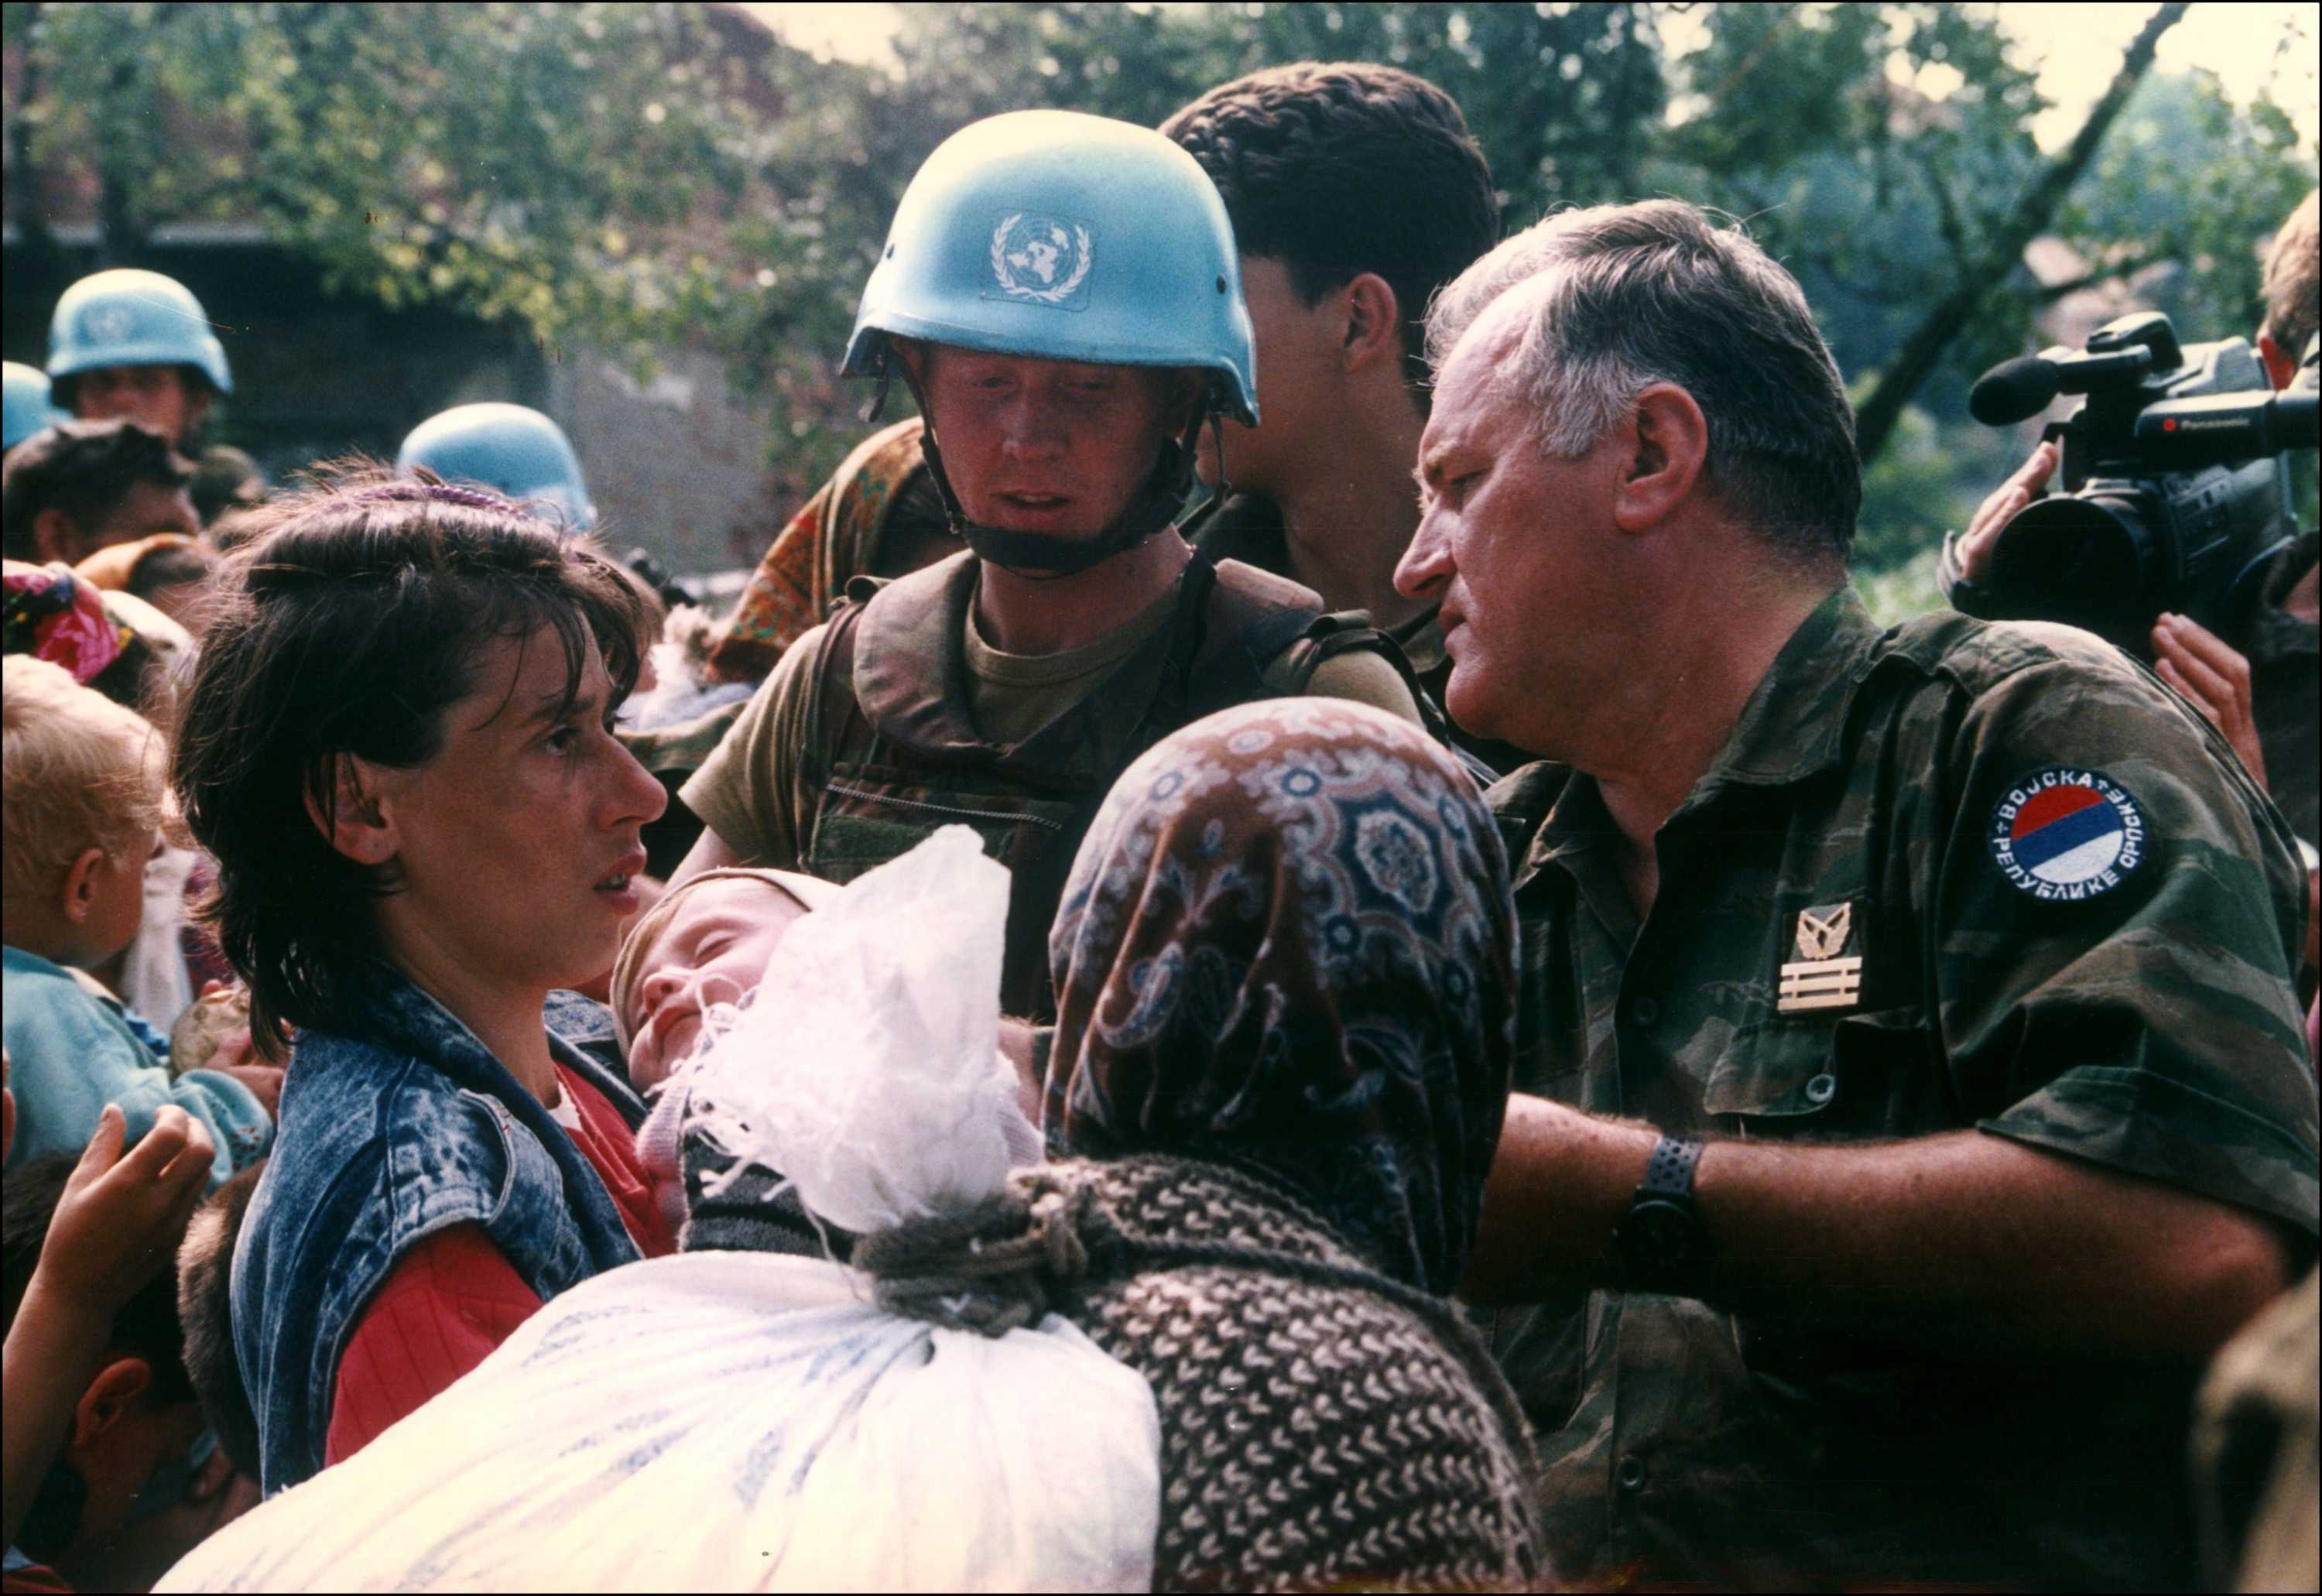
2019,390
2015,390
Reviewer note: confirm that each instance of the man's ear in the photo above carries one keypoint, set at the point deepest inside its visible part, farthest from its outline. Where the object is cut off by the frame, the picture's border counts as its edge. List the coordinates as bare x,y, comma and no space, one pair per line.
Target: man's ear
198,400
1373,325
2280,365
112,1396
1667,441
911,355
357,823
56,537
79,891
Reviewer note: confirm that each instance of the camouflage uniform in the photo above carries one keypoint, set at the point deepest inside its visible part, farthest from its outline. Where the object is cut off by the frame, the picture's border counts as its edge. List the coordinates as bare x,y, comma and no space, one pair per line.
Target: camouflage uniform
876,515
2147,1025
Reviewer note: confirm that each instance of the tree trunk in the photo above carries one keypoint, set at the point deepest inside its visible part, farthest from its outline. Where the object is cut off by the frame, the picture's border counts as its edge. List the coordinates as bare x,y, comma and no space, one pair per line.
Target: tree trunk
28,193
1923,350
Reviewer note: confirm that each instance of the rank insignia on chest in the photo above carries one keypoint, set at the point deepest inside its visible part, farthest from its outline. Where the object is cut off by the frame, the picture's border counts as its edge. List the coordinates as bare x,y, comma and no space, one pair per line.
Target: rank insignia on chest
1823,975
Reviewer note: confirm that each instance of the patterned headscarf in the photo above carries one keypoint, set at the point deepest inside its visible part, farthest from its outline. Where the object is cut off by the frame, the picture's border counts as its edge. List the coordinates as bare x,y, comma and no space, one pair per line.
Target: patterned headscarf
55,616
1288,945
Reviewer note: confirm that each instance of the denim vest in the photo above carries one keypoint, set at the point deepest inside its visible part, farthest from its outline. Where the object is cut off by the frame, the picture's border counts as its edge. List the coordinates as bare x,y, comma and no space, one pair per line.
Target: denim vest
395,1123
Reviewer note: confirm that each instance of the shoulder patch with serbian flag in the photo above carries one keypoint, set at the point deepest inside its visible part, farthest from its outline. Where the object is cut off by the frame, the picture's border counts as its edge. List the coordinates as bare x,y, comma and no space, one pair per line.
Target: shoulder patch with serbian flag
2065,834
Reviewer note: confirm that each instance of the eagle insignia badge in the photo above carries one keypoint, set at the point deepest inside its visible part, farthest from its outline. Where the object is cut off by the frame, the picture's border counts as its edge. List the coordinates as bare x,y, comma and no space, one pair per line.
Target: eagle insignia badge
1823,975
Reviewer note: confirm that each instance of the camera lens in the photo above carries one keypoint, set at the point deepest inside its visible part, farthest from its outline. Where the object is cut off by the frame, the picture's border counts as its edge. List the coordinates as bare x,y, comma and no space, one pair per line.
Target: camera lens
2086,560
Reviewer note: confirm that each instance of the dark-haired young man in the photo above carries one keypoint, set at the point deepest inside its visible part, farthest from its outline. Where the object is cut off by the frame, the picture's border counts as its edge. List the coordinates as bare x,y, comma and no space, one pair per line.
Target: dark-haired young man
82,486
1355,192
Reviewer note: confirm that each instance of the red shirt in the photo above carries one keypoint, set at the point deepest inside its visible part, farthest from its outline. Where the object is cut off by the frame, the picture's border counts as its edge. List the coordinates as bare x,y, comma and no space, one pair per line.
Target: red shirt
453,1298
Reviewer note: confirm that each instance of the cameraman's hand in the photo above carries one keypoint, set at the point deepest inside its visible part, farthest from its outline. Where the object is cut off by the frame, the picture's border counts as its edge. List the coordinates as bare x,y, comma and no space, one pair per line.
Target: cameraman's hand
2007,500
2213,674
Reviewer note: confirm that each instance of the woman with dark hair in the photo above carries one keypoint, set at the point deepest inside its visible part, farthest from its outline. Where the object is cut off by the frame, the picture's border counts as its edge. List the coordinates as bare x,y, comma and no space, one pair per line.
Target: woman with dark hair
1286,962
398,747
1285,970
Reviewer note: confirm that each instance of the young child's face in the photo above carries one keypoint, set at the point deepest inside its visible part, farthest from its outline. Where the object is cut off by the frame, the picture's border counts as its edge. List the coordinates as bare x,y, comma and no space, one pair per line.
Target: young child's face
713,950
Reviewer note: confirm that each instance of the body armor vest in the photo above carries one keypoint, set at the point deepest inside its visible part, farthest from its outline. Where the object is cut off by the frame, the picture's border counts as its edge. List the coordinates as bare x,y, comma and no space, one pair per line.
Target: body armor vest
894,753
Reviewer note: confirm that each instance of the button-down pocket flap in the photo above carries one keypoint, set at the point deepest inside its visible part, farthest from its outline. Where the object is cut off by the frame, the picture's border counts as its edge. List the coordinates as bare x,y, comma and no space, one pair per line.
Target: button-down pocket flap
1802,1065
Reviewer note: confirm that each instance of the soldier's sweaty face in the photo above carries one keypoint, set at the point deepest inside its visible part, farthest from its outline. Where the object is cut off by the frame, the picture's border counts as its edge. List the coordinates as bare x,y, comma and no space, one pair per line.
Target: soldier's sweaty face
1043,446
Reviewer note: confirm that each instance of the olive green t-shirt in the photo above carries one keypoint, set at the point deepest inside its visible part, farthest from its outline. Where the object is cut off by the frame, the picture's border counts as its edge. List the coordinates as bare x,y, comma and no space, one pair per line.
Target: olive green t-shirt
748,791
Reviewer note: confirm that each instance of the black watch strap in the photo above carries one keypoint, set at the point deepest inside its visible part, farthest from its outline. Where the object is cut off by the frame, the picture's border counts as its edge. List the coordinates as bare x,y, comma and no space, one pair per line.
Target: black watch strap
1659,1239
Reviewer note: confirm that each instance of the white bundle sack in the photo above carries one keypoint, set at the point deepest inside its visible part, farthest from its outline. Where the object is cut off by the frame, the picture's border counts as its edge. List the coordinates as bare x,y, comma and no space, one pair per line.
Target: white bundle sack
753,1422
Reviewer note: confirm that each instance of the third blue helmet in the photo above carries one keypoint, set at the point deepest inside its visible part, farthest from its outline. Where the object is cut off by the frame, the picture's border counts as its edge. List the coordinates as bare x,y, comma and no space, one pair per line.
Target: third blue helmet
29,410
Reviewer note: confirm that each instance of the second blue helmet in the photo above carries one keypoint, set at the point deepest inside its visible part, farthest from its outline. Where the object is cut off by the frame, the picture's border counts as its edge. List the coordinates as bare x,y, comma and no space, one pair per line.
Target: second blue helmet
126,317
507,448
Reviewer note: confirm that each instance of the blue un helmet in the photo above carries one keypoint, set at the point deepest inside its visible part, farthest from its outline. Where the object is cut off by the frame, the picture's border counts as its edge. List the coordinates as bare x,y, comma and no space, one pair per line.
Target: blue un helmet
506,448
1061,236
28,409
131,318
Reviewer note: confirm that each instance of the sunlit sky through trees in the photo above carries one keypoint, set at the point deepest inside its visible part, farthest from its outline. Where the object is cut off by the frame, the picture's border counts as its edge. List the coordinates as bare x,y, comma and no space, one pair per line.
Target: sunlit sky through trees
2255,49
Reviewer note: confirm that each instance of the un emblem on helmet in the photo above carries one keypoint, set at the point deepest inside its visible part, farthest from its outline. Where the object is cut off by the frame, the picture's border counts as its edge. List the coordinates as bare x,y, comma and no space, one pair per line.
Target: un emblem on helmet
110,323
1041,259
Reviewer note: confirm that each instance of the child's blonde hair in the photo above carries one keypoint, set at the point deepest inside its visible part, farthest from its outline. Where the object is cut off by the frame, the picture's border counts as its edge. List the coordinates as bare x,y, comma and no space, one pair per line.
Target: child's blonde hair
80,772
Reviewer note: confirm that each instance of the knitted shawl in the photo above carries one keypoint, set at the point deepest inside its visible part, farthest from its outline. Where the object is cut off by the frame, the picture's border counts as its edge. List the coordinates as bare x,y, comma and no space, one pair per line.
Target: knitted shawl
1322,1426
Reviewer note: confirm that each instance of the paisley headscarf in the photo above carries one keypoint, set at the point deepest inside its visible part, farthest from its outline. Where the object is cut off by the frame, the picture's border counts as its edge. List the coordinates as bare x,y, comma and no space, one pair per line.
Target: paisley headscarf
1287,945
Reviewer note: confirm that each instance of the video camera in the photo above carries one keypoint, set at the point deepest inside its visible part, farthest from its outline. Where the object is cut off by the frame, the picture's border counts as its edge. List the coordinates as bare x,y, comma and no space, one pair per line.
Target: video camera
2175,496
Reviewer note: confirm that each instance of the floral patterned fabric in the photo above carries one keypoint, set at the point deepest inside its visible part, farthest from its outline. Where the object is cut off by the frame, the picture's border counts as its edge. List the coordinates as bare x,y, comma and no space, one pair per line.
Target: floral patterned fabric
1287,945
55,616
837,535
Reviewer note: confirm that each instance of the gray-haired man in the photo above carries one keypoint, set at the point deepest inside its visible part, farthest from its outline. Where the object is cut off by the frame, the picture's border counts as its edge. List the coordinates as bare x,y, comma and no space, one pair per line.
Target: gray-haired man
1920,1085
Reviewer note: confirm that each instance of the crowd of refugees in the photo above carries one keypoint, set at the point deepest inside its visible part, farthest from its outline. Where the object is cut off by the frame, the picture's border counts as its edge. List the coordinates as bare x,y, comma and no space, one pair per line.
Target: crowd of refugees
1561,1053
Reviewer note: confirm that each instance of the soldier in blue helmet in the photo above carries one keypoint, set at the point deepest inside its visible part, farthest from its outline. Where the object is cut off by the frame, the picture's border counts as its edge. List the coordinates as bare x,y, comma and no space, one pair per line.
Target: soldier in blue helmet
1062,295
137,345
131,345
29,410
506,448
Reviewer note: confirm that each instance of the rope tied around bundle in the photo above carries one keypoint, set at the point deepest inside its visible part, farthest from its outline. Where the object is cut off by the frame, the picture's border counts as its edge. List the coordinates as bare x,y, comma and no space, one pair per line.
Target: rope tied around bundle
990,1268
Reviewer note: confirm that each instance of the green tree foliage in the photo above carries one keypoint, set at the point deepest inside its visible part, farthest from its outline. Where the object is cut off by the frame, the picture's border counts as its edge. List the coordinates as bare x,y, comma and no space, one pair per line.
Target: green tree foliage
579,169
630,176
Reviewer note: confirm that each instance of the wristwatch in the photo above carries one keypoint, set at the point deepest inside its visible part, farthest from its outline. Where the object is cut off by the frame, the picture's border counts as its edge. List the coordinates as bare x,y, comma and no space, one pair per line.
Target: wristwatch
1662,1246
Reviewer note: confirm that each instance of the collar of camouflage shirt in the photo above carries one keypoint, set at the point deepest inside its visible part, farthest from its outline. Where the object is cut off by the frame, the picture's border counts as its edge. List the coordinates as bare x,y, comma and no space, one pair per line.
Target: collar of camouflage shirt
1790,730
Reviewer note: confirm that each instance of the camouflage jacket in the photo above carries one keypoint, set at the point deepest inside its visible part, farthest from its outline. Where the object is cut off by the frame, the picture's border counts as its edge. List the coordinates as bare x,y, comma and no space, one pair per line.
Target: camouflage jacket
1955,874
878,515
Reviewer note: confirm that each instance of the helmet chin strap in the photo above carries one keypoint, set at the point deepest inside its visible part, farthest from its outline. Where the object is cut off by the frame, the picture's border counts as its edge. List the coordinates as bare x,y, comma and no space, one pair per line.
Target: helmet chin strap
1040,558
